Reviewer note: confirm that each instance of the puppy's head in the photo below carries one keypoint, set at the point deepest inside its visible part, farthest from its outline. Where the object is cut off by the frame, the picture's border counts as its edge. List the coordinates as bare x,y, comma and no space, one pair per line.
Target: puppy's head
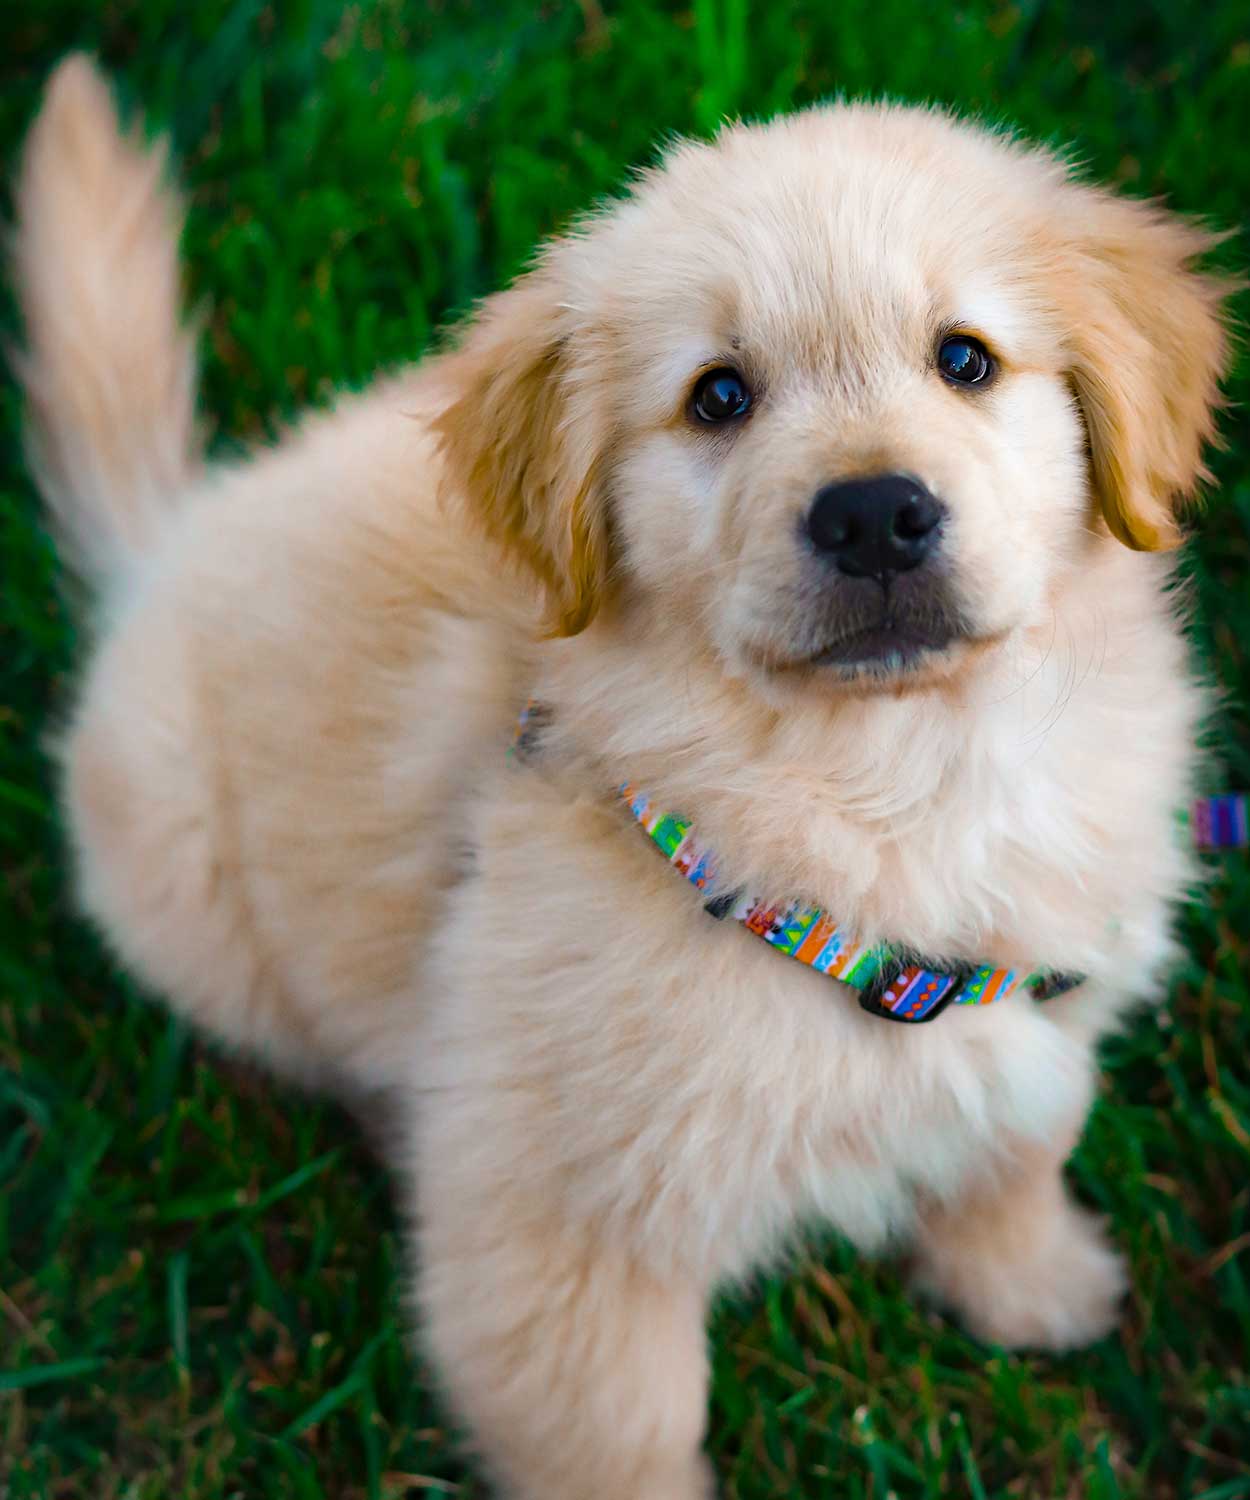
844,396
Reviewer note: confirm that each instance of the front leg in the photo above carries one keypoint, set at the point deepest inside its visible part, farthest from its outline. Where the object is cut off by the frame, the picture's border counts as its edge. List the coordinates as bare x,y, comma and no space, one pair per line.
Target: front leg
580,1374
1018,1260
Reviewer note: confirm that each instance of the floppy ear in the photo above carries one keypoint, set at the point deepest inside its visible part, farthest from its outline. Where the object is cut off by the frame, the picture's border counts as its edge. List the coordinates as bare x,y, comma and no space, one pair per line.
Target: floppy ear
524,449
1148,350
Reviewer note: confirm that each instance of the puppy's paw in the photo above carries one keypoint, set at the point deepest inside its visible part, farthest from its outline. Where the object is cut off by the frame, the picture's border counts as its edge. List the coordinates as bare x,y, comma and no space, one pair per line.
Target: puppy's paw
1057,1288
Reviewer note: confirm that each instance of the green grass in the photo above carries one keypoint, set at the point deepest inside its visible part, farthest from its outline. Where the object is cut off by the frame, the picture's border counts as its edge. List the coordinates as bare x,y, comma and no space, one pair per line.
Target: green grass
199,1273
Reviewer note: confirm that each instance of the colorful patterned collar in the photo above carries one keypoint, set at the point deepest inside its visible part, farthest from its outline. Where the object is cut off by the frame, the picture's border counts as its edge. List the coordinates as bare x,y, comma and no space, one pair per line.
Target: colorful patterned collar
890,982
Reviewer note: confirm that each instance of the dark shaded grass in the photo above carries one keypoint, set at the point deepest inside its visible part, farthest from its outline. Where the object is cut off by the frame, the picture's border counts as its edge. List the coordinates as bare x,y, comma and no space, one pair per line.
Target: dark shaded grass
198,1272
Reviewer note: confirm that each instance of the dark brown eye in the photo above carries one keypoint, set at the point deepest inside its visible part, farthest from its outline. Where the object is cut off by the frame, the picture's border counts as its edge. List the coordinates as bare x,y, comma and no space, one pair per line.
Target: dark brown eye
964,360
720,396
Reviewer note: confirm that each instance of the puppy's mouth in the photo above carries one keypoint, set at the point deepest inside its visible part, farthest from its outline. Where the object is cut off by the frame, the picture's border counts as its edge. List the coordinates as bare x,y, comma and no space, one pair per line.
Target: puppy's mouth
892,645
871,633
891,650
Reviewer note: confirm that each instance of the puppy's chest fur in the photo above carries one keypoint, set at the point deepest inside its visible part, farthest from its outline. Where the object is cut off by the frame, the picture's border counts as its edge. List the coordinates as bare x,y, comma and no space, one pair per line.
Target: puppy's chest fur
703,1071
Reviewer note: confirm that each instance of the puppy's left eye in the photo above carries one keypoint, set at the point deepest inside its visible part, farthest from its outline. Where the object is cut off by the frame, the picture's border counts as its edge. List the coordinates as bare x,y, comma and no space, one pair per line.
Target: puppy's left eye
964,359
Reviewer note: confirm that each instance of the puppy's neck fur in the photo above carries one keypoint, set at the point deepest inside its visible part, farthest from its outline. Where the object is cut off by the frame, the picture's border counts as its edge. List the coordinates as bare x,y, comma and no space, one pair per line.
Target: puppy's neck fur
916,815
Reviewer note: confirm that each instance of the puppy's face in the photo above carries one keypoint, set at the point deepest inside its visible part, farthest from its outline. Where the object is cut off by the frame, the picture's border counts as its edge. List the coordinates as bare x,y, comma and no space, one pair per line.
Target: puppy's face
843,397
847,441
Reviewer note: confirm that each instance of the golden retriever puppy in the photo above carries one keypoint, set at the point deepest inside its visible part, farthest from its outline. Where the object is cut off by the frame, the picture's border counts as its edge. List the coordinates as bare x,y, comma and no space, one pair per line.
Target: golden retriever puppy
820,491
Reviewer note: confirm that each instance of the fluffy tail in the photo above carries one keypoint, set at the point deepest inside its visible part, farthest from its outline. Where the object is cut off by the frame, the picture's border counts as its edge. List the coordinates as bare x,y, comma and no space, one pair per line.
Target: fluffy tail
109,369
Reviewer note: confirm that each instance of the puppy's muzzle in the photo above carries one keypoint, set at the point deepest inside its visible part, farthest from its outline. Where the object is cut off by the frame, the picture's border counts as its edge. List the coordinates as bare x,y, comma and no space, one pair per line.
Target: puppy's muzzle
875,526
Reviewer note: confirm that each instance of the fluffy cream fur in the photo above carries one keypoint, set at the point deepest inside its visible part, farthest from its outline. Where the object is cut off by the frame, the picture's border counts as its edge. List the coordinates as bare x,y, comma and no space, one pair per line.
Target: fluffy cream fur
285,776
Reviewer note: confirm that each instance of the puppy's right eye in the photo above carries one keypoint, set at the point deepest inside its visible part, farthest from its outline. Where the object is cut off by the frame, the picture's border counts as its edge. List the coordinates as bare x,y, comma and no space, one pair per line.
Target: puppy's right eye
720,396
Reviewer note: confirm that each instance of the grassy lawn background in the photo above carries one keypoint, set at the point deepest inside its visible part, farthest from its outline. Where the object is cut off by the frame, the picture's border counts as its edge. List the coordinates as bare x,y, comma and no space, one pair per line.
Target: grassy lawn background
200,1288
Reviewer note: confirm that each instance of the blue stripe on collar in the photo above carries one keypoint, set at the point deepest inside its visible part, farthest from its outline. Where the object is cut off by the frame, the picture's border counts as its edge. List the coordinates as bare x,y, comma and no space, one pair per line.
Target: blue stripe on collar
1220,822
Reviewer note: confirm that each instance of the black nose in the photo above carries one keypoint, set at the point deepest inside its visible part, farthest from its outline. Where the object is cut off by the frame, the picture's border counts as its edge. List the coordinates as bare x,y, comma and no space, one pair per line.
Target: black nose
875,525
